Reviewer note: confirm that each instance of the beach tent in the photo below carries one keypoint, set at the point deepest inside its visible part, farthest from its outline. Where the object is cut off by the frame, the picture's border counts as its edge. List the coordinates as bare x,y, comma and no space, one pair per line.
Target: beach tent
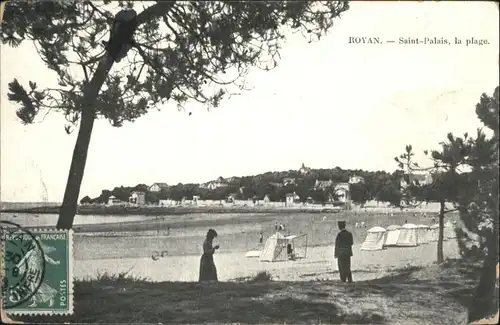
408,235
449,231
434,233
253,254
392,235
422,231
374,239
277,248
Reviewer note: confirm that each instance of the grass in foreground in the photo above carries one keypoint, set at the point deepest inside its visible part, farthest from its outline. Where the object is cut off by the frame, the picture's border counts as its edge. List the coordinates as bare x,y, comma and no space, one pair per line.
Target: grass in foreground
434,295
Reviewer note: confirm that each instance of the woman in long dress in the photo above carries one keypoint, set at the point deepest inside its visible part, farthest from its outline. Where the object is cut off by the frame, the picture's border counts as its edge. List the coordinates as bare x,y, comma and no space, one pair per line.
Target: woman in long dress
208,271
34,260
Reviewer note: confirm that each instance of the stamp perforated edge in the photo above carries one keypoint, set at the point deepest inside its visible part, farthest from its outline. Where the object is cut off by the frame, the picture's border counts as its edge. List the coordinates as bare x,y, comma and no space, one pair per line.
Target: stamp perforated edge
48,311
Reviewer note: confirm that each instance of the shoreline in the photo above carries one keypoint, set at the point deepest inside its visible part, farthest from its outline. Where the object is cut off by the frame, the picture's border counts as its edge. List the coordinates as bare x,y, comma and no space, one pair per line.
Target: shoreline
179,210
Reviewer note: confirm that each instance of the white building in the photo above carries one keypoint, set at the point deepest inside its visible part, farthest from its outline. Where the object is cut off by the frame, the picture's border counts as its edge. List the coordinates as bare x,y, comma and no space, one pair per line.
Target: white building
212,185
138,198
356,179
157,187
343,191
114,201
291,199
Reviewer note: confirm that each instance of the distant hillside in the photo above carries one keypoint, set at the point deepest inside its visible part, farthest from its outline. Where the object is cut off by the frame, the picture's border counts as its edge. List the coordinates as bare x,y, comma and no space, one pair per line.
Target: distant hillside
318,185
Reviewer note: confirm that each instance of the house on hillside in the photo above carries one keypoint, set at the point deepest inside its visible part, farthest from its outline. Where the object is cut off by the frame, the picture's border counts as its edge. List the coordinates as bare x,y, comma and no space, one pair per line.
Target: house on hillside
114,201
343,192
291,199
303,170
137,198
266,199
276,185
212,185
157,187
416,179
288,181
354,179
323,184
231,198
231,180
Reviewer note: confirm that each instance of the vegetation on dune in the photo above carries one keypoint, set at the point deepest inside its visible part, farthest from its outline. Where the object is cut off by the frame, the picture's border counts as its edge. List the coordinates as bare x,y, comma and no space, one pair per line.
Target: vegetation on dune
465,173
170,51
437,295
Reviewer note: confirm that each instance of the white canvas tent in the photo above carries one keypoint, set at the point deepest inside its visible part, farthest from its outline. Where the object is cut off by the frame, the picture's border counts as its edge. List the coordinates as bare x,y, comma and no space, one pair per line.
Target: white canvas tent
392,235
374,239
449,231
434,233
253,254
277,248
422,231
408,235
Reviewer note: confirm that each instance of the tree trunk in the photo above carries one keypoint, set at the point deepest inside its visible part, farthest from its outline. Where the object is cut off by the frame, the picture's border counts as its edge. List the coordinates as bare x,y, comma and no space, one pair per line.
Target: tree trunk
485,302
70,201
440,254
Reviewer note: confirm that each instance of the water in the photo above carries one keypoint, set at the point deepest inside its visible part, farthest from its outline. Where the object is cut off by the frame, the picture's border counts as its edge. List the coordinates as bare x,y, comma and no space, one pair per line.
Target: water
44,220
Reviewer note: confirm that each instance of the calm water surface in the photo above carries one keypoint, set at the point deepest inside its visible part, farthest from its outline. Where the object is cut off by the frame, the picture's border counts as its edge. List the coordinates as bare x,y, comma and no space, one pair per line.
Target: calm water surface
34,220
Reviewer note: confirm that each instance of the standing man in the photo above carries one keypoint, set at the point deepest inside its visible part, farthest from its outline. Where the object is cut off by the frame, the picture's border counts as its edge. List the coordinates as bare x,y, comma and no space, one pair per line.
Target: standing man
261,238
343,252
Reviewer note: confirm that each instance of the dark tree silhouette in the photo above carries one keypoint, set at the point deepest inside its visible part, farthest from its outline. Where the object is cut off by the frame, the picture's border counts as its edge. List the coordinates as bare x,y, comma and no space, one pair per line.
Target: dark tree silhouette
468,178
170,50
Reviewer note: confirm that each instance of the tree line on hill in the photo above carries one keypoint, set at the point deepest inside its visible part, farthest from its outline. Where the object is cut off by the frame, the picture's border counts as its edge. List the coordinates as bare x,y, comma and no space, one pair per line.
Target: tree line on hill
380,186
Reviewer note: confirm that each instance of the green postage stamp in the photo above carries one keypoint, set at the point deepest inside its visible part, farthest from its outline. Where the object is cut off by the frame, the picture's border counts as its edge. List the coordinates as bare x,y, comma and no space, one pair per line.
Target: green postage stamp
38,271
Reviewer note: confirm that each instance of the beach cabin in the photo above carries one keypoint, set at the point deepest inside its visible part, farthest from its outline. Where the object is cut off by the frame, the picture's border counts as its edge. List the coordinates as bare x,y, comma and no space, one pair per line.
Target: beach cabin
449,231
392,235
434,233
408,236
374,240
283,248
422,231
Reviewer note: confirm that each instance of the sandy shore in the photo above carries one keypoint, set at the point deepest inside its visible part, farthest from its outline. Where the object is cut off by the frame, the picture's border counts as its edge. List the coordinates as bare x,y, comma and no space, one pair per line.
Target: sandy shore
319,264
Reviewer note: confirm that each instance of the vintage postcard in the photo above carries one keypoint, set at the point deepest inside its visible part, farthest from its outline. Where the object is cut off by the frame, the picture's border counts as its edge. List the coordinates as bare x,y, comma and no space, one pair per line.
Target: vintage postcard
253,162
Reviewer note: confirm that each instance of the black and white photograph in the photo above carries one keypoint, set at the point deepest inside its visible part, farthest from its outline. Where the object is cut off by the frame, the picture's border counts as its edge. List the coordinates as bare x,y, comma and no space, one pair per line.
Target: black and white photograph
249,162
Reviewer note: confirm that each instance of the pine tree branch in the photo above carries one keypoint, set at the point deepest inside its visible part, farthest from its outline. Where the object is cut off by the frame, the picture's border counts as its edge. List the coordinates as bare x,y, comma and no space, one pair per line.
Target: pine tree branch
154,11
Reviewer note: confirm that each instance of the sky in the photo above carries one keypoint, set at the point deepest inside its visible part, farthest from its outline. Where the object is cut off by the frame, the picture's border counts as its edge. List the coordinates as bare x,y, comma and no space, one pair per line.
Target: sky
327,104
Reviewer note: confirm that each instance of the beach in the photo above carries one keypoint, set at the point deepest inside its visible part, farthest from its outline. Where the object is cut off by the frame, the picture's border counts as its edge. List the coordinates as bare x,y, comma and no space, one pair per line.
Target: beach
319,264
116,244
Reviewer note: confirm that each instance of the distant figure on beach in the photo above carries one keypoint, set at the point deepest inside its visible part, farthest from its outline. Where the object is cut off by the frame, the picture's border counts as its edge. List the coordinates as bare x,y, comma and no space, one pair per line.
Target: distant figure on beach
261,238
281,226
208,271
276,226
343,252
406,221
289,251
356,225
168,230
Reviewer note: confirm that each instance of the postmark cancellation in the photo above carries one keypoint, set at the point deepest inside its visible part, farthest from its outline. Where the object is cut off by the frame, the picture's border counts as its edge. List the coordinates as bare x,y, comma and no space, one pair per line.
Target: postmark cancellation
37,271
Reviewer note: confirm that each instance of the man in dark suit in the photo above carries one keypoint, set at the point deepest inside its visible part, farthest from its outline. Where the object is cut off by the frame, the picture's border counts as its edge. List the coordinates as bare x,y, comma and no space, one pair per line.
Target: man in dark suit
343,252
